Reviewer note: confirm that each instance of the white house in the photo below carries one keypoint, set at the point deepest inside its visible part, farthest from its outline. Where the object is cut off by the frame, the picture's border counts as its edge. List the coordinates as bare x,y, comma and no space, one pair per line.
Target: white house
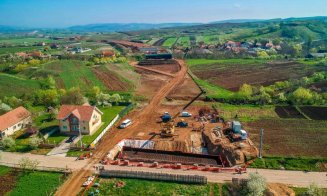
14,120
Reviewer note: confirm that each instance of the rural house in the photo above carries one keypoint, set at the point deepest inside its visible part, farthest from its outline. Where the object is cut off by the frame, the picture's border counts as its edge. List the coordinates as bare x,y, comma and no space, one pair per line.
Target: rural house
74,119
14,120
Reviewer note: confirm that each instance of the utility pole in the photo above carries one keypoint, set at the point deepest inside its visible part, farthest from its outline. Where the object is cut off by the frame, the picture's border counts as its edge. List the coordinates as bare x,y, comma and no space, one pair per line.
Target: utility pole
261,143
80,135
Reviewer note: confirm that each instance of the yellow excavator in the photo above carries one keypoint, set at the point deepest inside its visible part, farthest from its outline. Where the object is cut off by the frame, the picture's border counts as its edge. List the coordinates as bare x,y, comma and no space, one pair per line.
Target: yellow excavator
168,124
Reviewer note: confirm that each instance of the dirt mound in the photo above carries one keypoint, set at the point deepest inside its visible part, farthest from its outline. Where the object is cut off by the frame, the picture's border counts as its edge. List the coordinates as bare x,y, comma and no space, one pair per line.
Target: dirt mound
279,189
167,145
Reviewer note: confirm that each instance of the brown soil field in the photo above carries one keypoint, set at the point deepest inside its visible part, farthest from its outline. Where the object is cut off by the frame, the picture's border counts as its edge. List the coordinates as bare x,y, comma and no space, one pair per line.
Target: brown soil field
290,137
111,80
232,77
169,68
10,181
129,44
150,83
315,113
288,112
185,91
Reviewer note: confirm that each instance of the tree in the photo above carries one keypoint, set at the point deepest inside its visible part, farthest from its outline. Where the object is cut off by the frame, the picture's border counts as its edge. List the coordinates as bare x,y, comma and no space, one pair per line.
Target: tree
72,96
94,93
302,96
28,164
12,101
256,185
34,142
246,90
262,54
47,98
115,98
8,143
48,83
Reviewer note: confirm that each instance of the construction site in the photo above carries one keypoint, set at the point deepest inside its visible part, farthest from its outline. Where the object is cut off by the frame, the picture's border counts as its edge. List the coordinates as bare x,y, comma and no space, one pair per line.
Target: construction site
170,131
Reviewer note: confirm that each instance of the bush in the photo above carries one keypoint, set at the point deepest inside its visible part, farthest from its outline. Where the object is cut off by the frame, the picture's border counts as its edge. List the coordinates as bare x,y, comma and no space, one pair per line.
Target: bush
34,142
256,185
8,142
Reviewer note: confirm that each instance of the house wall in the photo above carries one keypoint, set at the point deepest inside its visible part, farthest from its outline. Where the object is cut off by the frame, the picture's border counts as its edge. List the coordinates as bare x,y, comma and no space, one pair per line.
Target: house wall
86,127
95,122
18,126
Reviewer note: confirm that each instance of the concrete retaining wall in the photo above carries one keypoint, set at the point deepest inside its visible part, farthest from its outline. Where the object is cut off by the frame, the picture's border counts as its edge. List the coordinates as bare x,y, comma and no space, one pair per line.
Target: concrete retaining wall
191,179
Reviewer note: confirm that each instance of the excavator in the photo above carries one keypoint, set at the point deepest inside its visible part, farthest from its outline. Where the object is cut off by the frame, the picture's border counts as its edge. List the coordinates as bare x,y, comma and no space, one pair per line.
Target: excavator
168,127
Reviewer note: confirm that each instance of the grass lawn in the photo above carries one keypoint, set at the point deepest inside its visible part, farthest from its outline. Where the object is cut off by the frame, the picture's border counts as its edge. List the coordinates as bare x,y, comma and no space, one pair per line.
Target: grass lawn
37,183
169,42
4,170
109,113
56,138
290,163
11,85
75,153
147,187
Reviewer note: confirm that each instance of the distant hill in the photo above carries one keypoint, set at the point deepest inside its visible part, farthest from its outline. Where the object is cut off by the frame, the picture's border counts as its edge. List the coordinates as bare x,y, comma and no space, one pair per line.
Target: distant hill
237,21
116,27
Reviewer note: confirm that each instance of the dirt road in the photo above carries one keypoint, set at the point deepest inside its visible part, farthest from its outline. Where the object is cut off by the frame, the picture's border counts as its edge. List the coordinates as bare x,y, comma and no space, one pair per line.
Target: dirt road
73,185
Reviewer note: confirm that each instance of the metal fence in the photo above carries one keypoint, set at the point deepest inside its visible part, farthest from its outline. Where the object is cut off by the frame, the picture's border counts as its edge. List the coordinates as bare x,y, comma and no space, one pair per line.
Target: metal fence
191,179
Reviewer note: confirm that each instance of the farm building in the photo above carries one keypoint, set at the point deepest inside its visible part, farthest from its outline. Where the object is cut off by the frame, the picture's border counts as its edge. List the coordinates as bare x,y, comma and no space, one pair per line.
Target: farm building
14,120
106,53
159,56
74,119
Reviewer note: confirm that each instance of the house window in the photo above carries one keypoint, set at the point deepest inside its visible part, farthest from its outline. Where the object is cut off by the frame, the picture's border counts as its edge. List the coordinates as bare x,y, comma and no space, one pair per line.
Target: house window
75,120
64,127
14,127
84,128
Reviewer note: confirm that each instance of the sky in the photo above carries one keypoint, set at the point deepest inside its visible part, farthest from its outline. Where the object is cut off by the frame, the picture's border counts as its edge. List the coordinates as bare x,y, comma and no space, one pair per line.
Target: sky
64,13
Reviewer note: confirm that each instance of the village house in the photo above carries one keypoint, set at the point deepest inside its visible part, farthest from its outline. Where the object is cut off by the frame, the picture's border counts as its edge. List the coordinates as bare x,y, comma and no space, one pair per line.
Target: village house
106,53
14,120
75,119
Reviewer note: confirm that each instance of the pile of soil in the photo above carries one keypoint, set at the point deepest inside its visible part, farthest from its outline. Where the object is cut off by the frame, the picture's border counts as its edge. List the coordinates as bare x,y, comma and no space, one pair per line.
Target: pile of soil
8,182
276,189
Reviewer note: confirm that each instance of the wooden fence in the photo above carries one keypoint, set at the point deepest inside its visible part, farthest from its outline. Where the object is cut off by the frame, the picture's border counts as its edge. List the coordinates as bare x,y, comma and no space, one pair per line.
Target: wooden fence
191,179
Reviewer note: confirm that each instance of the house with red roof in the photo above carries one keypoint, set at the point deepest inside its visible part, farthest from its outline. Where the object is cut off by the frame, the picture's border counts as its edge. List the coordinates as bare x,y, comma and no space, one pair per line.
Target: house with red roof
14,120
79,119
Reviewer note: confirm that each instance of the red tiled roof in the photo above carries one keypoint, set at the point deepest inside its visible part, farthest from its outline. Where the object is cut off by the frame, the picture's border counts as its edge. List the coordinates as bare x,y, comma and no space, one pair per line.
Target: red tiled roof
107,53
13,117
82,112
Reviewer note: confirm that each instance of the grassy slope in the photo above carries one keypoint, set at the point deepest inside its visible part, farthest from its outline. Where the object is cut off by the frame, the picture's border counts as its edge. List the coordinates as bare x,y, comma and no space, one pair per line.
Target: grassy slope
4,170
184,41
15,86
75,74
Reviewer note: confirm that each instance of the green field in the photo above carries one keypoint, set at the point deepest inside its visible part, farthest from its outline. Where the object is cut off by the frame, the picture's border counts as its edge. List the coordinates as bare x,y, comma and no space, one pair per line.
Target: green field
146,187
71,73
184,41
11,85
37,183
290,163
198,63
169,42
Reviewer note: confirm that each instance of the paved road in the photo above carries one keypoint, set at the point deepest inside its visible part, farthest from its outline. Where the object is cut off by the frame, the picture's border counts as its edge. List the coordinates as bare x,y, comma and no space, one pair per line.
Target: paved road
294,178
45,161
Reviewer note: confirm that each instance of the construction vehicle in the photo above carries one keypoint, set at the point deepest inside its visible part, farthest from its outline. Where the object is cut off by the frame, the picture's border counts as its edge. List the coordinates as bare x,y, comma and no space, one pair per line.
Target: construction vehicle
182,124
168,125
